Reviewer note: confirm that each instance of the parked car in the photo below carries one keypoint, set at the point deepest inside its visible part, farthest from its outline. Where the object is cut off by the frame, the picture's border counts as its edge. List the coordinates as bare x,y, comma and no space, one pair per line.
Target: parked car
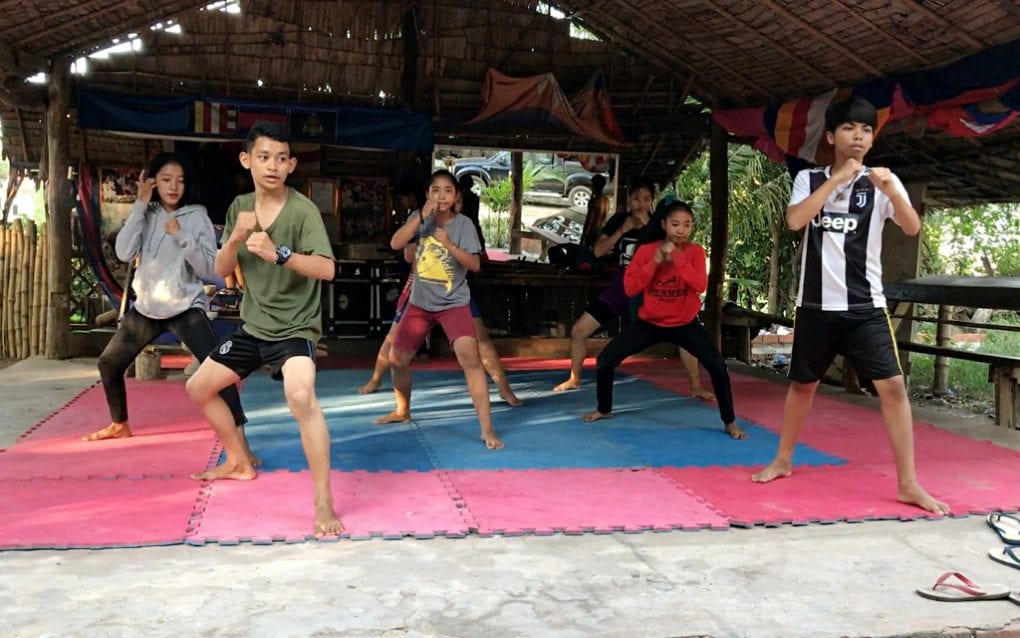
563,183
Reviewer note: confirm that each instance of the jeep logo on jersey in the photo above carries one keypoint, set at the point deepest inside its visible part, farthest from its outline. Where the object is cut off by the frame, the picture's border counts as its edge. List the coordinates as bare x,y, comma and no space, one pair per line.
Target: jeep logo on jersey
835,222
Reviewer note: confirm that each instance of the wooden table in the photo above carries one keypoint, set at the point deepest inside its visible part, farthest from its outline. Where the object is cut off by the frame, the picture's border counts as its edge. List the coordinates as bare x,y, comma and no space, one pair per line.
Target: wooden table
999,293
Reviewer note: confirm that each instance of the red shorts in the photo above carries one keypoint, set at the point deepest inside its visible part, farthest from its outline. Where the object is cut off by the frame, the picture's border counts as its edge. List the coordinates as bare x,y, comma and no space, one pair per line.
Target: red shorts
415,324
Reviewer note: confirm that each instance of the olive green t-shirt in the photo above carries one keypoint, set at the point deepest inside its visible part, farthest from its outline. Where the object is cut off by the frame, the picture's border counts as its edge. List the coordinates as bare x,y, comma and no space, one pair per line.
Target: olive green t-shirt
279,303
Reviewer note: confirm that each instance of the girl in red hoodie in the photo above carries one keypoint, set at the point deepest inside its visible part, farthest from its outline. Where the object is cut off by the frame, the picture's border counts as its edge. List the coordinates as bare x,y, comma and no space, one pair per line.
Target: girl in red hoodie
669,272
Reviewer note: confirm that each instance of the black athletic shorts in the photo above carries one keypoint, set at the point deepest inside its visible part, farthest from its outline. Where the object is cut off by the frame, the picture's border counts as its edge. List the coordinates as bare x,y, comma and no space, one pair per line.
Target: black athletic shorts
245,354
864,337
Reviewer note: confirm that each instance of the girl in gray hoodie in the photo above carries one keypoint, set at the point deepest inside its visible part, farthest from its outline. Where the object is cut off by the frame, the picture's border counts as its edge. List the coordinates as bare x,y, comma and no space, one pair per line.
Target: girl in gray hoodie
175,244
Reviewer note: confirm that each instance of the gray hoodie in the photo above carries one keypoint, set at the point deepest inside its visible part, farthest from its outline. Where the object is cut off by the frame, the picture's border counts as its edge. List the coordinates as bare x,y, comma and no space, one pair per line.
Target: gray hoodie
169,276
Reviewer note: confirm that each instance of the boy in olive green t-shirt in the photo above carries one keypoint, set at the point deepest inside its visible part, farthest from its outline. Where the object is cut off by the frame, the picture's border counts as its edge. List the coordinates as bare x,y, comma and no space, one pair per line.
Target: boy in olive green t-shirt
277,238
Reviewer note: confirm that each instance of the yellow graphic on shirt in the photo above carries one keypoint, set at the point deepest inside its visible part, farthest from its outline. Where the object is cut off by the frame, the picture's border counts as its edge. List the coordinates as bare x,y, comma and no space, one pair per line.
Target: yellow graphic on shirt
433,263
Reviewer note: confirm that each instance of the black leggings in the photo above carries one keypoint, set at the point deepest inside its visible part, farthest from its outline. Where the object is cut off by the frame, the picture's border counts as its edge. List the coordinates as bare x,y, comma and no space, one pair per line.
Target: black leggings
136,331
640,335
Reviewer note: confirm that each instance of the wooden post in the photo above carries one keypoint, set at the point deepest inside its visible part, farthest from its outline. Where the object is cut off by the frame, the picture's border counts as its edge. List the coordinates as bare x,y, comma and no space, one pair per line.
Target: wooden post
58,205
1006,380
409,74
718,170
901,259
517,203
940,380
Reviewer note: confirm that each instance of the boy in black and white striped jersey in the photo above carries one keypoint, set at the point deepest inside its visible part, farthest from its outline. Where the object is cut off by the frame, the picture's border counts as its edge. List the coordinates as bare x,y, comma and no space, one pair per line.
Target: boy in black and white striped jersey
841,308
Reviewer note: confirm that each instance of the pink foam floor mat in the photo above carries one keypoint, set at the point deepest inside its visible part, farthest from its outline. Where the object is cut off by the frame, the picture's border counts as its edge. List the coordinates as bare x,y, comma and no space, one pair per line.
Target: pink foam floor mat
59,492
93,513
277,507
843,429
170,438
970,486
812,494
577,501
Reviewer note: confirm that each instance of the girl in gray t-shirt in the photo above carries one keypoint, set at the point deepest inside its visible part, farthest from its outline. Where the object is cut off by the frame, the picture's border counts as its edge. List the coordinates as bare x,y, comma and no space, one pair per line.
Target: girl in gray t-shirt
448,248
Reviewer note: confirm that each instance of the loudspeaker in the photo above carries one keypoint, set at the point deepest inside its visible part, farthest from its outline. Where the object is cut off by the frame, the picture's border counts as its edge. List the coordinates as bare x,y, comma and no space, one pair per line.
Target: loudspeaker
351,308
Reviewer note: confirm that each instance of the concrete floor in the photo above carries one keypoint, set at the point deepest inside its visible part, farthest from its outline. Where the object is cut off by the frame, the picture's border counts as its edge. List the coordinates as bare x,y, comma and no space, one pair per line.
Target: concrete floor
817,581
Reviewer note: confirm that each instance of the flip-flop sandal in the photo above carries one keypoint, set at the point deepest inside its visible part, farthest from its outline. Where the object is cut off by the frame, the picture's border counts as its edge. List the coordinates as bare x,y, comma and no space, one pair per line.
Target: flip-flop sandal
963,590
1006,526
1006,555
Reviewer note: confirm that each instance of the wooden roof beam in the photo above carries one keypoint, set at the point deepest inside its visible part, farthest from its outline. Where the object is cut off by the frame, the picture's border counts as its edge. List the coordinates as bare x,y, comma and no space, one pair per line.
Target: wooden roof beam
136,23
913,5
651,25
888,37
17,62
817,35
775,46
605,20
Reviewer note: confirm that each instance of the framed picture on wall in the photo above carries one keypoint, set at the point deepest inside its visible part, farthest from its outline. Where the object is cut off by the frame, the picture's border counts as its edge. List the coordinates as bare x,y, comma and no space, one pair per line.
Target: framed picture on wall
365,210
118,189
322,192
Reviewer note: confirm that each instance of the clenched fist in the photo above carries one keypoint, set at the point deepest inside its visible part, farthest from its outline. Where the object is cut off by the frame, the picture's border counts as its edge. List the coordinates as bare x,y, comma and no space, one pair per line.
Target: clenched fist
882,178
243,227
260,244
172,226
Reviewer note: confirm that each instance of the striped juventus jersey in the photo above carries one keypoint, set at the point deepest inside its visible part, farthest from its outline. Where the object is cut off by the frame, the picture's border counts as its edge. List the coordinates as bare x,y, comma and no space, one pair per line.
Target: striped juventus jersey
841,256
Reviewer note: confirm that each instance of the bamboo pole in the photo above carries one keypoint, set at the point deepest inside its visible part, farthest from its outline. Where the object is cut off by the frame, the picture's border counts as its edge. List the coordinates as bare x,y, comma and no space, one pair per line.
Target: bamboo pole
44,287
19,274
9,292
37,294
25,294
5,249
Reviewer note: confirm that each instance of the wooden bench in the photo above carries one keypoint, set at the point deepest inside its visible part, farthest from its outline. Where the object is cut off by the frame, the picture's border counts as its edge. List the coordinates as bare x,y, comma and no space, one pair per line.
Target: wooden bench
1003,373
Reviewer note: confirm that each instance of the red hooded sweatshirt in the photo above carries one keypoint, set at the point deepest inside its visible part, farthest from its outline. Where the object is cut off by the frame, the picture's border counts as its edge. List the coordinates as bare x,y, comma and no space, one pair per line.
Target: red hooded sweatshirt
670,289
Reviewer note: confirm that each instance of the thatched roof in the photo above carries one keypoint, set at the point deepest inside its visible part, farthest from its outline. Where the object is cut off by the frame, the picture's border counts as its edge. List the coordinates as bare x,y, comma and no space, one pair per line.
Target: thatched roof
724,53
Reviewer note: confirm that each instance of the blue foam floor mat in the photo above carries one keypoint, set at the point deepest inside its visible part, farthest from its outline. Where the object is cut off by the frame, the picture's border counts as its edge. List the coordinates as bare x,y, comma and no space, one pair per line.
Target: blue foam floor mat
651,427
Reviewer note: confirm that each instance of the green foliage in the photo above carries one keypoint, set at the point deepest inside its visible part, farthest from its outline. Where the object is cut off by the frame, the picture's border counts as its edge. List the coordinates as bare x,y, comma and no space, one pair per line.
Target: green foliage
498,196
961,241
759,195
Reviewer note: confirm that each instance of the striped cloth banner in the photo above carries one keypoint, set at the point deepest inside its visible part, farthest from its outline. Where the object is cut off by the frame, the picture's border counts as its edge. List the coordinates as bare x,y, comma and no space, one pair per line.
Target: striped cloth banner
215,117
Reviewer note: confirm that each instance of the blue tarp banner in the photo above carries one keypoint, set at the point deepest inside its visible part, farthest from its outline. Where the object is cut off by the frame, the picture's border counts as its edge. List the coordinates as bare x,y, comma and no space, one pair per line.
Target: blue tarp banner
218,118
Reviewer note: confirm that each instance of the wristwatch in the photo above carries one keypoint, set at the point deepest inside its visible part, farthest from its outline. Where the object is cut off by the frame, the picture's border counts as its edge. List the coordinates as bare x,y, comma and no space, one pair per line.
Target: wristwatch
282,255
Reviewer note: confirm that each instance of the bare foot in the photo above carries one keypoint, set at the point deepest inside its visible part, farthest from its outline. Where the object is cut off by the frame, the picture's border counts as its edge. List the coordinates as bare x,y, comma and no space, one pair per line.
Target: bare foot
569,384
239,472
774,470
735,432
326,521
914,494
369,387
112,431
703,394
393,417
492,441
596,416
511,398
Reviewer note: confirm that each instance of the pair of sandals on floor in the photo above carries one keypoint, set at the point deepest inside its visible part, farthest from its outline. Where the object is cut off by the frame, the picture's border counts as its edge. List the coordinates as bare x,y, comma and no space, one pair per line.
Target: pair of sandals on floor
955,587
